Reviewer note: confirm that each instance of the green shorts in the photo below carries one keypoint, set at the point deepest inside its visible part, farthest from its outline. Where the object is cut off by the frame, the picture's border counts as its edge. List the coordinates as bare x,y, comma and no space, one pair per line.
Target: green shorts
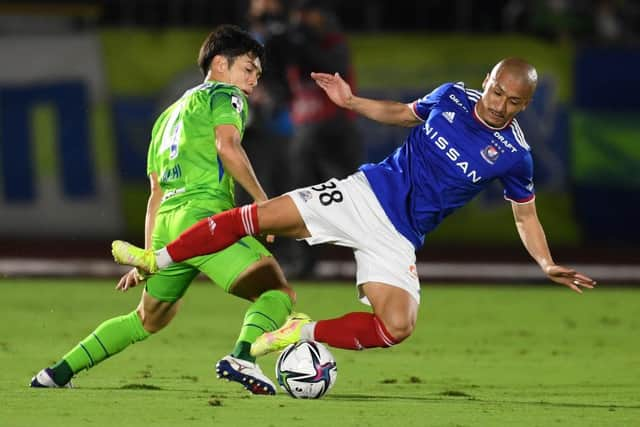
223,267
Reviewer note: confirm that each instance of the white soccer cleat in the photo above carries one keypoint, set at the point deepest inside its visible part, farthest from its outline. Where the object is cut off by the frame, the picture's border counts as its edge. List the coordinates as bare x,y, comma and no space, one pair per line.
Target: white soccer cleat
246,373
44,379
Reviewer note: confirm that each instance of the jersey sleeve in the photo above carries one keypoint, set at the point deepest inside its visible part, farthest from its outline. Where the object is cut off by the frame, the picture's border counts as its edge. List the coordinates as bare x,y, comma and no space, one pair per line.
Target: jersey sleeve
151,164
518,181
421,107
151,152
229,108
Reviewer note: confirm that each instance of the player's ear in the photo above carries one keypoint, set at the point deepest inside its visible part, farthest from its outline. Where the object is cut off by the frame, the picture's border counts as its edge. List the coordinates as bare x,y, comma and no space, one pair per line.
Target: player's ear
219,64
486,80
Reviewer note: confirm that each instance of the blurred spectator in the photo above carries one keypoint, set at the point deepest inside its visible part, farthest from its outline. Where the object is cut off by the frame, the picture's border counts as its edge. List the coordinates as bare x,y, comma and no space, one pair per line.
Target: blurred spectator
561,20
604,21
617,22
267,136
325,142
607,21
514,15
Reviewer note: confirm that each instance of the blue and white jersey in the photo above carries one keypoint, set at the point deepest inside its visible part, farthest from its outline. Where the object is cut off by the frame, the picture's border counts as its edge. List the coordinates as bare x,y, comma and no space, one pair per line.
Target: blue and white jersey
446,161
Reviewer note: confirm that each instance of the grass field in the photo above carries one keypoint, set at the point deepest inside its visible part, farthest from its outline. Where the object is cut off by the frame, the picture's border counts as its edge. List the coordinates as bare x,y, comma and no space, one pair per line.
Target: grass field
526,355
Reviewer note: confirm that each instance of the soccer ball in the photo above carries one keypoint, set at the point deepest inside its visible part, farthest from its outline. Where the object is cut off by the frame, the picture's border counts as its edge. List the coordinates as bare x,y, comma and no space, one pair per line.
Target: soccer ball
306,370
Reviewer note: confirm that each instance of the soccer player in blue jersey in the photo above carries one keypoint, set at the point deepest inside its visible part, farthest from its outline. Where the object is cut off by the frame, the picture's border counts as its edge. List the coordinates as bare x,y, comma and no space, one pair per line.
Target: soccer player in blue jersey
461,140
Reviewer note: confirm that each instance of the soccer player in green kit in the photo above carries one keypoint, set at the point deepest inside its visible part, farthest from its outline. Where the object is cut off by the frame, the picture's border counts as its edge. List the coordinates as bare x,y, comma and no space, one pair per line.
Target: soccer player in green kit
195,155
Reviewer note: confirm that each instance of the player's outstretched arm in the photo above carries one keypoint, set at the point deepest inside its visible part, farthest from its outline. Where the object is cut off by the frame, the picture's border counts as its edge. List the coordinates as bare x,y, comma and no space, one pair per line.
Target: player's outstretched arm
533,238
236,162
388,112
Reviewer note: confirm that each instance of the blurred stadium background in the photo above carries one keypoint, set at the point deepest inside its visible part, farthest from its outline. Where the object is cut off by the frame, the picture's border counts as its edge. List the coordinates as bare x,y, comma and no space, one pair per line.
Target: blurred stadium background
82,81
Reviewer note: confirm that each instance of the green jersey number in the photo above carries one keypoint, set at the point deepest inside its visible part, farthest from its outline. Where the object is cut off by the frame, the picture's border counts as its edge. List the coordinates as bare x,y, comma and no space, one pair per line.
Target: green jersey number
172,132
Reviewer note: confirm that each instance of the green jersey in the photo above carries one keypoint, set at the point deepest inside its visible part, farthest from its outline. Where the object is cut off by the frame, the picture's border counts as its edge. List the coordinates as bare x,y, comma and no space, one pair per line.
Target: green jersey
183,149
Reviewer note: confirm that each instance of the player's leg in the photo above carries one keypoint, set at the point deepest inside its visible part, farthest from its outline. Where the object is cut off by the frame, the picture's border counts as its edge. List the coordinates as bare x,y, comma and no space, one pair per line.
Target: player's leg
264,284
393,319
158,305
248,270
395,307
109,338
387,280
385,273
277,216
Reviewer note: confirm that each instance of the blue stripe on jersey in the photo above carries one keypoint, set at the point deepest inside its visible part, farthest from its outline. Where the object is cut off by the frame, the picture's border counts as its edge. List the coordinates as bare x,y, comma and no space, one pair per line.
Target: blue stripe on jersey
220,169
446,161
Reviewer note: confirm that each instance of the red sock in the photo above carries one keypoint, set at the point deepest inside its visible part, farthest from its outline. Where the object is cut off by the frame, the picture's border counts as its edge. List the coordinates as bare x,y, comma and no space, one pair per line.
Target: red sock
215,233
354,331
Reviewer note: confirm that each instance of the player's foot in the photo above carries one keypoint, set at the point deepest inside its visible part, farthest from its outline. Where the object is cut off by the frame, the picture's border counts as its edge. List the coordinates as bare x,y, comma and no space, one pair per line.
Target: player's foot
246,373
44,379
289,333
127,254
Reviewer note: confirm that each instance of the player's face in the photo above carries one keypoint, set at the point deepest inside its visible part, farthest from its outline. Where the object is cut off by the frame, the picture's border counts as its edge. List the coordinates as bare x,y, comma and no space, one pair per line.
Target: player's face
504,96
244,73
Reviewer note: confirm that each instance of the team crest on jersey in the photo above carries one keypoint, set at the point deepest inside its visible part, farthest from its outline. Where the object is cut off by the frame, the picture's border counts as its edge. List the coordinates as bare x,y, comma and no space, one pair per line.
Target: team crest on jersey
305,195
449,115
490,154
237,103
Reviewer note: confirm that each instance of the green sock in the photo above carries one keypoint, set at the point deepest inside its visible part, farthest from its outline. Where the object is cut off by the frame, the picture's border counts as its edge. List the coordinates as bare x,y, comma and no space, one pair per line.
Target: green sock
266,314
111,337
62,373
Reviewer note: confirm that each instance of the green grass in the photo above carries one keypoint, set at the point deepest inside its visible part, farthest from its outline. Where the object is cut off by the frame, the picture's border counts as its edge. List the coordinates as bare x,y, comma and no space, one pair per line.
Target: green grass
491,356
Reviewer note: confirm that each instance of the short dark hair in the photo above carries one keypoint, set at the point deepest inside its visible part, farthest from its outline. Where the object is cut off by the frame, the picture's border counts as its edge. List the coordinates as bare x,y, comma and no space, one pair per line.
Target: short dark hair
230,41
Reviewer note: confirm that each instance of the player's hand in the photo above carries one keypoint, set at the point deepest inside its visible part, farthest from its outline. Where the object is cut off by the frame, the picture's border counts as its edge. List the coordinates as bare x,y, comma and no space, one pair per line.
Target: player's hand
336,88
130,280
569,278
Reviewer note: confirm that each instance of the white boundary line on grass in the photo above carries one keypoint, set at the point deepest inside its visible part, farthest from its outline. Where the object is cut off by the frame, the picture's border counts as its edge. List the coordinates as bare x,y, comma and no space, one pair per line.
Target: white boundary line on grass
327,269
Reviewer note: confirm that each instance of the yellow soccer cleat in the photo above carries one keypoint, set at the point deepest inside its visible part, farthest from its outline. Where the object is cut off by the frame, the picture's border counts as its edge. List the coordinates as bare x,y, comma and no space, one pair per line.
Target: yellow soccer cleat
277,340
127,254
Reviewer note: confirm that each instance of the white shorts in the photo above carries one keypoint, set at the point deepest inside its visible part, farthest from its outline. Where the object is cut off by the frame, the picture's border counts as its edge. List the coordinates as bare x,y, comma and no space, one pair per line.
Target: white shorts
347,213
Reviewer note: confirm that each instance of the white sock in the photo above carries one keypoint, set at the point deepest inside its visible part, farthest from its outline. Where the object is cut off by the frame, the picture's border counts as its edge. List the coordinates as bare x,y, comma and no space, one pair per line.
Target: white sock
307,331
163,259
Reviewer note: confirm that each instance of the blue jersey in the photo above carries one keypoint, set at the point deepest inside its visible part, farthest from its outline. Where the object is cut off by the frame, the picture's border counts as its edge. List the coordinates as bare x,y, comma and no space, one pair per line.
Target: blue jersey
446,161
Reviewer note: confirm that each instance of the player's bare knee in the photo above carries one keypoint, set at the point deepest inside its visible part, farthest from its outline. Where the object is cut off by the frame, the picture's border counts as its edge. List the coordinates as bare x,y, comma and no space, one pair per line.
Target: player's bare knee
399,327
401,332
260,277
145,319
154,321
